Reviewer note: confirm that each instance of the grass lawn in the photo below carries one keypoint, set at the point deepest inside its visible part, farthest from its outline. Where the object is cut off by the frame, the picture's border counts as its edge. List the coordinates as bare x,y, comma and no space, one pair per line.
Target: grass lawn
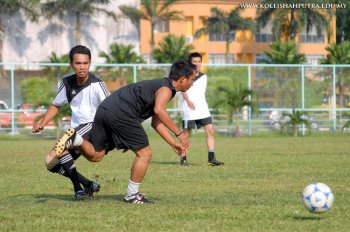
258,189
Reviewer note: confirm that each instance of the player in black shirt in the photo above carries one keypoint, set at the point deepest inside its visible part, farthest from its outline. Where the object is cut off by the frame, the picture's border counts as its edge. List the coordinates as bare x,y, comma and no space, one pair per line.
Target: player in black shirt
118,119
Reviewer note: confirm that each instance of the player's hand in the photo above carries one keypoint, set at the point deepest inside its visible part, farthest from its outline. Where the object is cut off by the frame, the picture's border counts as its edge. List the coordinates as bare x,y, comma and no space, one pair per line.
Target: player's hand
191,105
184,141
180,150
37,127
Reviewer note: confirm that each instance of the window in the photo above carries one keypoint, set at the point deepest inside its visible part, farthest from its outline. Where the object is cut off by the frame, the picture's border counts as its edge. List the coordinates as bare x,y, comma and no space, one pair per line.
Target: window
314,59
161,26
216,37
312,36
265,34
259,58
215,58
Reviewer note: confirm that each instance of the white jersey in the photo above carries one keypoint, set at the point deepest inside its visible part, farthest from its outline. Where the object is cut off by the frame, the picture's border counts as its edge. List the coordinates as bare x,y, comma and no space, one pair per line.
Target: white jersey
196,94
83,100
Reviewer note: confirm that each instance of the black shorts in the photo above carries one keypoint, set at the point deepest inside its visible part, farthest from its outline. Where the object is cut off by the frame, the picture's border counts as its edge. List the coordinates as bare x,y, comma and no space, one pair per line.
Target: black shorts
120,131
192,124
84,131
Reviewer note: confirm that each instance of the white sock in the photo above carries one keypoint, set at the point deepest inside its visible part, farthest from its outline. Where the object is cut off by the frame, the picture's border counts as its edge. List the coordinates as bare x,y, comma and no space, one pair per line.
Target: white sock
132,188
78,140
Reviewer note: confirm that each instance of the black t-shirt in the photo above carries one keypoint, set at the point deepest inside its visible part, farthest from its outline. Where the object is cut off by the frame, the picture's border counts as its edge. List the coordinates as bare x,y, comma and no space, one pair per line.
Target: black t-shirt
136,100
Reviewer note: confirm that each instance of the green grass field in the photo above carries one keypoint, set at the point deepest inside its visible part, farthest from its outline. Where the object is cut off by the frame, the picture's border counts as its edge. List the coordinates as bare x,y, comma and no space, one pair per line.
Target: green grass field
258,189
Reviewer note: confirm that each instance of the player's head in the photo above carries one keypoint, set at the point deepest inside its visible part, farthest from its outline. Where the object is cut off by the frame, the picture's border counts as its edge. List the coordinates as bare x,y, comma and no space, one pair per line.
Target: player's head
196,59
79,49
80,60
182,72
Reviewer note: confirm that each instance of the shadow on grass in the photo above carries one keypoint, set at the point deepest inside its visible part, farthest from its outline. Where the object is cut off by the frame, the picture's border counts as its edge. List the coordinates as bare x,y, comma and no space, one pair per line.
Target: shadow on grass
42,198
172,163
307,218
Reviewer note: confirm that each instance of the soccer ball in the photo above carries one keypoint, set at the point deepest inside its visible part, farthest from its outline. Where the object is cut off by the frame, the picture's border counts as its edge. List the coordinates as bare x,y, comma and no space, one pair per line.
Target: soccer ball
317,198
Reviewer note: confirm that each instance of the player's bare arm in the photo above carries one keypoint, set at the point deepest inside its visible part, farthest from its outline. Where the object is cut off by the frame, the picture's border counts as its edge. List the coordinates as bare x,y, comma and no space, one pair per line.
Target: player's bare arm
163,96
162,130
49,115
188,101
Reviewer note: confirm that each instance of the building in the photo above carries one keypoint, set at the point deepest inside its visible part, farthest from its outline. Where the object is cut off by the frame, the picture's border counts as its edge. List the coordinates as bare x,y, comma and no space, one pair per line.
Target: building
246,47
27,41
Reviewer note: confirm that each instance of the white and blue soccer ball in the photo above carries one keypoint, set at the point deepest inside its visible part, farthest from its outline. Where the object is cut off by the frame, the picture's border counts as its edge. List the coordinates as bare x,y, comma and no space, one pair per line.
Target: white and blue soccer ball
317,198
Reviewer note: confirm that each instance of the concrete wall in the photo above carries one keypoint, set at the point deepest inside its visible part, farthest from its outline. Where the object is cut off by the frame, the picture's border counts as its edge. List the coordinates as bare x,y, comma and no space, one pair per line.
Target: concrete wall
26,41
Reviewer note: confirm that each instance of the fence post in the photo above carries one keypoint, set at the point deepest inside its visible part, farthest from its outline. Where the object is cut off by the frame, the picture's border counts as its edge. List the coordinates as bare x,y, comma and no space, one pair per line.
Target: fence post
12,98
250,98
303,93
135,74
334,102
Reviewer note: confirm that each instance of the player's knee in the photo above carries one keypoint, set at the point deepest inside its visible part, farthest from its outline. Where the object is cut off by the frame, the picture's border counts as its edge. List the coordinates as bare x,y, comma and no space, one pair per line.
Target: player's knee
51,162
96,158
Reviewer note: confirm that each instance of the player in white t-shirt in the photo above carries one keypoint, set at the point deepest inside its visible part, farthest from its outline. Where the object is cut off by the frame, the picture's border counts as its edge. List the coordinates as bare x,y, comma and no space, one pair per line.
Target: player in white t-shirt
196,111
84,92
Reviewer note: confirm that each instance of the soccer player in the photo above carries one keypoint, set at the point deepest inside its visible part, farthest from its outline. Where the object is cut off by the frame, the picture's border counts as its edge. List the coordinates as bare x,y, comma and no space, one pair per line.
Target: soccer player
196,112
118,119
84,92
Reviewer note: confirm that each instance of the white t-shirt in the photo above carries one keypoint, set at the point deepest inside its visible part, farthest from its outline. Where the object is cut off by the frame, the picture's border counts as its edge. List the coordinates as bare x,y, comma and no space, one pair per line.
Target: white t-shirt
196,94
83,100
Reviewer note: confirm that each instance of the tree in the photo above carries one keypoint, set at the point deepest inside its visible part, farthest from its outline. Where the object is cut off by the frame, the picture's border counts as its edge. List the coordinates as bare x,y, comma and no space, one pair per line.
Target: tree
172,48
294,120
154,12
57,71
343,25
7,10
120,54
284,53
339,54
226,24
233,97
134,14
288,22
78,8
286,84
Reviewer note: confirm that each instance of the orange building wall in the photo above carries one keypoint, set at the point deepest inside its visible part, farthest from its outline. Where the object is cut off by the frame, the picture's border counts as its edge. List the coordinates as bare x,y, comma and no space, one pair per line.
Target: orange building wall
244,47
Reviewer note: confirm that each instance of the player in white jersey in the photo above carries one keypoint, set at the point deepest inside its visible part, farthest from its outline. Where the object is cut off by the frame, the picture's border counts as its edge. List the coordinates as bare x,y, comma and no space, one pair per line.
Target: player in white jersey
196,111
83,91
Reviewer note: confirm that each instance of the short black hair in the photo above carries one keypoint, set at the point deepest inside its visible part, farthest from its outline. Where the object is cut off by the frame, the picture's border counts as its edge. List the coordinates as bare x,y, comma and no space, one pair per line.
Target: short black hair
181,68
194,54
79,49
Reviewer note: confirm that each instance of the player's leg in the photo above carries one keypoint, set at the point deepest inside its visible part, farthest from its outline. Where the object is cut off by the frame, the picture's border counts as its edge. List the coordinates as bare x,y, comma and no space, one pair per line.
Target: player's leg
138,171
209,131
187,126
61,166
90,187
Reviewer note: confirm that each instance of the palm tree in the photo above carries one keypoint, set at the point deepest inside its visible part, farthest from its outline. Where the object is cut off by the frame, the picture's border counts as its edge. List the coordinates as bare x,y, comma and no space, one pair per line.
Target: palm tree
154,11
286,85
172,48
288,22
7,9
294,120
57,71
284,53
233,97
78,8
120,54
339,54
343,24
226,24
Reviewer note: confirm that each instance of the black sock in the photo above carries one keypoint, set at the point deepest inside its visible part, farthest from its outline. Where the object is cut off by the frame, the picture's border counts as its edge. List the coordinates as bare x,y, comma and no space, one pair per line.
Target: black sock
84,181
211,155
71,172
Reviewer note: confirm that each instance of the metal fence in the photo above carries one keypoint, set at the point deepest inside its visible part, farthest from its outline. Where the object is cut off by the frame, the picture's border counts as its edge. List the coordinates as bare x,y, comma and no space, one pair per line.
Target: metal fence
321,90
